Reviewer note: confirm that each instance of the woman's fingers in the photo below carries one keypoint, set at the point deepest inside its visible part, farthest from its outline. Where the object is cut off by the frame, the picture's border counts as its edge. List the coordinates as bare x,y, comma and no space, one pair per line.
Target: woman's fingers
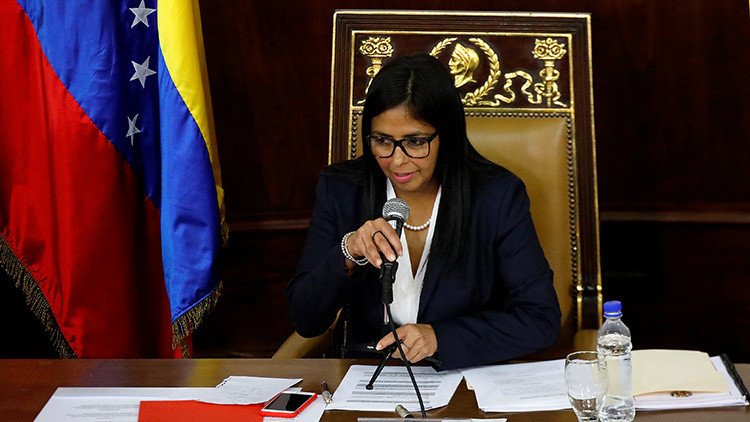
392,240
418,341
383,245
417,350
374,237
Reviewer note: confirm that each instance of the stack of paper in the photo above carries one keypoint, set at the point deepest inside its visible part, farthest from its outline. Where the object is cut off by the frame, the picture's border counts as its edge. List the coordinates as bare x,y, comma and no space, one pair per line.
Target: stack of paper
662,379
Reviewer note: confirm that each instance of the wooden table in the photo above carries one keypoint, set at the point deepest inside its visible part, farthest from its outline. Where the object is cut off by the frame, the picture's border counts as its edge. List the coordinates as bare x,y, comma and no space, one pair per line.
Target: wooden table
27,384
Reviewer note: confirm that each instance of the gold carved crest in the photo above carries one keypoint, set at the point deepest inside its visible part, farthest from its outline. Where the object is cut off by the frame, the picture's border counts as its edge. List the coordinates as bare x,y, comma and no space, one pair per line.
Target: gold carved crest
465,60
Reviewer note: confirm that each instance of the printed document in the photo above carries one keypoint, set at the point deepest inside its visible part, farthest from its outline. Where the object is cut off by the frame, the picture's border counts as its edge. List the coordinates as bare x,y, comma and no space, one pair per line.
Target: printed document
429,420
393,387
521,387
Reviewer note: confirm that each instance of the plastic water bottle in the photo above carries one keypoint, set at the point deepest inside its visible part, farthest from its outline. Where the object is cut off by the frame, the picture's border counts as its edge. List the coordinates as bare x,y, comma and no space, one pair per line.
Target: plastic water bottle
613,346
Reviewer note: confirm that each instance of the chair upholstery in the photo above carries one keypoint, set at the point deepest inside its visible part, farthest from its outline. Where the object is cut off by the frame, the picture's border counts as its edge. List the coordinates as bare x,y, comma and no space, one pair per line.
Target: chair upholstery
296,346
525,80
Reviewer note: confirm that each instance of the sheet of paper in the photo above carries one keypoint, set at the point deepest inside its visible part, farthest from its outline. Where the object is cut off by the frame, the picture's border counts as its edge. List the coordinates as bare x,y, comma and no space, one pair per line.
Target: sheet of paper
675,370
161,393
522,387
111,404
393,387
69,409
431,420
249,390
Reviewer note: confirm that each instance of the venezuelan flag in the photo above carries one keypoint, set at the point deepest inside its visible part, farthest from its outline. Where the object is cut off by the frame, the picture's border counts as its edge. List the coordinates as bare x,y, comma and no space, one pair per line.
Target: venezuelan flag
111,205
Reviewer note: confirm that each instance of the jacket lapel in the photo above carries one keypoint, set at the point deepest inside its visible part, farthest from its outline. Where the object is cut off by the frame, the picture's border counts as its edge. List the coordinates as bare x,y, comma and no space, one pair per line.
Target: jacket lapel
432,277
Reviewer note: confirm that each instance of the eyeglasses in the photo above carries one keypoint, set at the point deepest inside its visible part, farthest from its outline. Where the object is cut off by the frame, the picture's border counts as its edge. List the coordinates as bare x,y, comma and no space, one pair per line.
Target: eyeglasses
412,146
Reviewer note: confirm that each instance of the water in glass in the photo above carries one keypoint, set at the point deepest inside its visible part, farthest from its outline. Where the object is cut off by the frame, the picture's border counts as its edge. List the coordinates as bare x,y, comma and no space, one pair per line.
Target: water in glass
583,383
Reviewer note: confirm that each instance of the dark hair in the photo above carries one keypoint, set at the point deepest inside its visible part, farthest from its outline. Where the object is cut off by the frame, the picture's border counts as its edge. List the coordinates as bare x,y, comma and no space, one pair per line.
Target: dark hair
422,84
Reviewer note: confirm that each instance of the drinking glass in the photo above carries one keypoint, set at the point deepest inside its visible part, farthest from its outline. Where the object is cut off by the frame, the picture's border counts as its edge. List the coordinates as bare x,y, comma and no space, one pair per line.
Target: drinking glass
583,384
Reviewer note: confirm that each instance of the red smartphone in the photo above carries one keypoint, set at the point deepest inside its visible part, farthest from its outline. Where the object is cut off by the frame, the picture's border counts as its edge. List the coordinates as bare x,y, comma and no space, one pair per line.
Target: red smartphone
287,405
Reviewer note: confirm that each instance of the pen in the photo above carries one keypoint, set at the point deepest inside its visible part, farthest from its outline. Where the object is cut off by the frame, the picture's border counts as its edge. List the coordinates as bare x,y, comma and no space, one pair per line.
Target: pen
403,413
326,392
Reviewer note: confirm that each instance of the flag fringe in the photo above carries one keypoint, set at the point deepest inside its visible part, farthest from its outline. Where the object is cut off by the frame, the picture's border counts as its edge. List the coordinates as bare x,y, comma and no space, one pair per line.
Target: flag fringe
188,322
182,327
35,299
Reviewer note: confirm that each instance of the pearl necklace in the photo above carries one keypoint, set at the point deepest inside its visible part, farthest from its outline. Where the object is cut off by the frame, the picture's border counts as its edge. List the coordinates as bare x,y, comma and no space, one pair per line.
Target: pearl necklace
418,228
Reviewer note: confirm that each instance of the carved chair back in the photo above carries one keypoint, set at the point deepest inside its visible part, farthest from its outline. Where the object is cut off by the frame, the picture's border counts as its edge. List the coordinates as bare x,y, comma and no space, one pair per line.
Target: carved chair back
525,81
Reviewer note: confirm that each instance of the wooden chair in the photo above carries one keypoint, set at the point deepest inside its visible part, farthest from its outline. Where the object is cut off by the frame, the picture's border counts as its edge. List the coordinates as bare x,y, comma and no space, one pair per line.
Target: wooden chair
525,79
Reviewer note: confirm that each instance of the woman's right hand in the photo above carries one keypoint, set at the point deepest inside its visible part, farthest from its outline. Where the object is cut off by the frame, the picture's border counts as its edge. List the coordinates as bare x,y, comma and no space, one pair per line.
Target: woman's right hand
373,237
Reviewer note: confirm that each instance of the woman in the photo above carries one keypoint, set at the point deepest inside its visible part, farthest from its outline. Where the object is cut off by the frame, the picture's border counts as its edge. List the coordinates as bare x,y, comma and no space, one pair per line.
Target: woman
473,285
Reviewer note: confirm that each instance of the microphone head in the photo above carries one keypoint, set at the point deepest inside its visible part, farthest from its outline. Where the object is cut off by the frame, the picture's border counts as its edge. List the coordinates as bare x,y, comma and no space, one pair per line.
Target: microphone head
395,208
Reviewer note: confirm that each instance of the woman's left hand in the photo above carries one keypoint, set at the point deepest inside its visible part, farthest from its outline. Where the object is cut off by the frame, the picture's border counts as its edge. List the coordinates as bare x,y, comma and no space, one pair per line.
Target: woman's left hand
418,341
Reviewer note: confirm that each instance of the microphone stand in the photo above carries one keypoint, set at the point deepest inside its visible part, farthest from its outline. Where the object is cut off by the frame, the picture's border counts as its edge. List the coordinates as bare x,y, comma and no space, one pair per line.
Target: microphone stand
387,278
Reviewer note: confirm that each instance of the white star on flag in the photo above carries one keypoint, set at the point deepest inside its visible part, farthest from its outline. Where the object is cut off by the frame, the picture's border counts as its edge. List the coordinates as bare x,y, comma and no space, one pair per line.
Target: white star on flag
132,130
142,71
141,14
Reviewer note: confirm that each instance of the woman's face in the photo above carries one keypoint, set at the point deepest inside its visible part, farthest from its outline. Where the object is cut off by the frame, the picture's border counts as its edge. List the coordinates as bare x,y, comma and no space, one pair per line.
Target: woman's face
405,173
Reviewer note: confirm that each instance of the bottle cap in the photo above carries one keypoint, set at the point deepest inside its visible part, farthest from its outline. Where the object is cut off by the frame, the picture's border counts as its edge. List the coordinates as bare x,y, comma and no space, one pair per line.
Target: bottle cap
612,309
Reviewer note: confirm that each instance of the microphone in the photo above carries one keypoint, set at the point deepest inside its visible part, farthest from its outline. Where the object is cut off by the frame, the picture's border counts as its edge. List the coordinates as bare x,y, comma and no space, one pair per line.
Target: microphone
395,211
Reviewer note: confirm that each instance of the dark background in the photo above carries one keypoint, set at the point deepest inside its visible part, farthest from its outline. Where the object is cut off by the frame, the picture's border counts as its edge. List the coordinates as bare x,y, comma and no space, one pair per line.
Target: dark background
672,133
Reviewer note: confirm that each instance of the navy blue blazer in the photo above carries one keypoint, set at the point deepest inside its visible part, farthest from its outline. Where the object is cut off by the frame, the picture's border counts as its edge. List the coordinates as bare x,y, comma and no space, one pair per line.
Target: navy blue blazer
496,304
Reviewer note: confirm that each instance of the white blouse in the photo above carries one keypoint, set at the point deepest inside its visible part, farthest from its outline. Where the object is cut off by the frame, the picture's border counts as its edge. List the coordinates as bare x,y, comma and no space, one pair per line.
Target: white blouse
408,288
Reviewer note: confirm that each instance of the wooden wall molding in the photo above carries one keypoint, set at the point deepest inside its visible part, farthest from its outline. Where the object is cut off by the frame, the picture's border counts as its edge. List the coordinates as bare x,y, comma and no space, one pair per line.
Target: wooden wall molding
678,216
270,225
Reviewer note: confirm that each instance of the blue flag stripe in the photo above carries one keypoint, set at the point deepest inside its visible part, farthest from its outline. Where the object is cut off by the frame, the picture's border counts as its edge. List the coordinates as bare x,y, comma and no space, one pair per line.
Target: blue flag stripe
190,212
92,47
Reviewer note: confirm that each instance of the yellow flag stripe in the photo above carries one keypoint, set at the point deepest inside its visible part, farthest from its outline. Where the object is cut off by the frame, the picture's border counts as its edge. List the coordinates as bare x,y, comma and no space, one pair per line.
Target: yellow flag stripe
181,41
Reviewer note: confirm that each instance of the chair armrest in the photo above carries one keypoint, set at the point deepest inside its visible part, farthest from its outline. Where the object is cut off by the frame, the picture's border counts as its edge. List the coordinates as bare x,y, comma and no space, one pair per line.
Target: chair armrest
297,346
